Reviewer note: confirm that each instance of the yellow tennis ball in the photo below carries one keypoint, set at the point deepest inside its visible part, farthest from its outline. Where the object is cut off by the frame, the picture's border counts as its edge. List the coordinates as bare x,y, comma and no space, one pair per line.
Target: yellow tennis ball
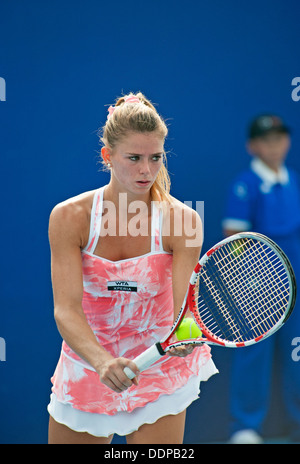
188,329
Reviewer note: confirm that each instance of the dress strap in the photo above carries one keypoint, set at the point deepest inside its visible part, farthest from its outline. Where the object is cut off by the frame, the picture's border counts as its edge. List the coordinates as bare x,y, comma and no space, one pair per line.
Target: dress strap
95,223
156,228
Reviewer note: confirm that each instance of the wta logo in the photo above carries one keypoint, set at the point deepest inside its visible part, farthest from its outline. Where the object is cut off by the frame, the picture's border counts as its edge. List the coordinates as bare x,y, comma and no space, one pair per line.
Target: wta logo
2,89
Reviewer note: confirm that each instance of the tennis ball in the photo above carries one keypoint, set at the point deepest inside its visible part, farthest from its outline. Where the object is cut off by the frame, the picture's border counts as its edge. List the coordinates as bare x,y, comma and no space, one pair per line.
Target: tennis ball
188,329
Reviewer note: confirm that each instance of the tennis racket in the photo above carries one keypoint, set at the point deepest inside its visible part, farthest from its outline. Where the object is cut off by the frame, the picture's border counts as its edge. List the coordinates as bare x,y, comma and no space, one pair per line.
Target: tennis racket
241,292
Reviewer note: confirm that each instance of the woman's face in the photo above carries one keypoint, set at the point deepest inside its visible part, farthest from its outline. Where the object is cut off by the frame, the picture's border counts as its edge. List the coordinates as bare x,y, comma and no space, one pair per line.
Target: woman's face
135,162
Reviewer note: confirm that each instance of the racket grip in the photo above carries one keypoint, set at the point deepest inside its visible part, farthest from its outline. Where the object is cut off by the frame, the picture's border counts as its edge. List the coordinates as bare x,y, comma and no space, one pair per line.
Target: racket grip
144,360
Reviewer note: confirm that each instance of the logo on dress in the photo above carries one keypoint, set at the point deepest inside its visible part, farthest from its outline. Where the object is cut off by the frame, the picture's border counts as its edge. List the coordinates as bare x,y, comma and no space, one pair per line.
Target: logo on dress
122,286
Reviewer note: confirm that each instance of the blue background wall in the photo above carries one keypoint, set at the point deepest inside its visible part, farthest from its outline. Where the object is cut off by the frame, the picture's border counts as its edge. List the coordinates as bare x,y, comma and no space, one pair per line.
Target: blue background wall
210,66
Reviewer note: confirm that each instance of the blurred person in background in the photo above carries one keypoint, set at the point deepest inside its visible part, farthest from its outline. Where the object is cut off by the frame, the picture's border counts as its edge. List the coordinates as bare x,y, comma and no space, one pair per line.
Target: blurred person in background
265,198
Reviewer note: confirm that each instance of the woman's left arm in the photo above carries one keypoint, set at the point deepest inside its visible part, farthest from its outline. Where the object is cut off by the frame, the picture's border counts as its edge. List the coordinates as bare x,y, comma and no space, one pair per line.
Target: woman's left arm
186,248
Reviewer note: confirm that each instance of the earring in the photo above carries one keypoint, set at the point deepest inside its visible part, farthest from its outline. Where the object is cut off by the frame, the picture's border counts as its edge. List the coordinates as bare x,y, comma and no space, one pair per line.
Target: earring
108,165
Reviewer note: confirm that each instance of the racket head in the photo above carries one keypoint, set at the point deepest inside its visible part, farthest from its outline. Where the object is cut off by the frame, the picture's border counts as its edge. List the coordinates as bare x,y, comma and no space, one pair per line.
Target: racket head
242,290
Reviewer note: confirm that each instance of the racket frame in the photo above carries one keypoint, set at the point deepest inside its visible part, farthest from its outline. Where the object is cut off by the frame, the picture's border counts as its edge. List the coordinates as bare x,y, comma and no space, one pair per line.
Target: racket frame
215,340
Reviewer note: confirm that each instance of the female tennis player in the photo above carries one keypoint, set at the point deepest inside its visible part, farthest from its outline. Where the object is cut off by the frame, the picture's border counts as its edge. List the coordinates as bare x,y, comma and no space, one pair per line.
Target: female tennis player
120,271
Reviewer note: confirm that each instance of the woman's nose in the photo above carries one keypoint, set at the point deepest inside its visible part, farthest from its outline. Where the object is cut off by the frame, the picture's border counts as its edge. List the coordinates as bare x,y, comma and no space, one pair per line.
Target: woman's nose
145,167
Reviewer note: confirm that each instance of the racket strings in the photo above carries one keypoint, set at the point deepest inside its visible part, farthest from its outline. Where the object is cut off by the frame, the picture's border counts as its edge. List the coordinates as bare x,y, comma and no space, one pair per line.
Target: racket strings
269,291
266,284
256,266
244,292
271,288
209,317
259,295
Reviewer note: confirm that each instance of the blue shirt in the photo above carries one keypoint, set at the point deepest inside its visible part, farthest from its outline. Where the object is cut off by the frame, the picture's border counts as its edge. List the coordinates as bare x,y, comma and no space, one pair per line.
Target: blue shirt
263,201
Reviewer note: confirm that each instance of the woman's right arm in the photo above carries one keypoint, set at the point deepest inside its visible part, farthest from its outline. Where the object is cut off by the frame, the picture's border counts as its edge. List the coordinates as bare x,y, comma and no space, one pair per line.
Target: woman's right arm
66,234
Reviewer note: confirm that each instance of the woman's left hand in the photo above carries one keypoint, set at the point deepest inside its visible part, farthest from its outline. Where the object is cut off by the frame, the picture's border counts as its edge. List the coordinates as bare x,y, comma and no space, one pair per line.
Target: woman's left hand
181,351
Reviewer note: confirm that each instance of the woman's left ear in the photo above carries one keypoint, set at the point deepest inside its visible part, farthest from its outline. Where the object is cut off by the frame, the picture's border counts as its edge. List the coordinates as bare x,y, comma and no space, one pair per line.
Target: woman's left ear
105,152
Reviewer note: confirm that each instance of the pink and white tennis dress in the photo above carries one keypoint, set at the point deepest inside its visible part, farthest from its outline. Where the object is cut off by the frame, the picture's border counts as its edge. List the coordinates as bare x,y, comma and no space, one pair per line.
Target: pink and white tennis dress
129,306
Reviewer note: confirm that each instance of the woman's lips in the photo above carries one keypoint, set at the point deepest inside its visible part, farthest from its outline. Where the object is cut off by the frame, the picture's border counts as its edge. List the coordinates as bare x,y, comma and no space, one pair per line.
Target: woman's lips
143,183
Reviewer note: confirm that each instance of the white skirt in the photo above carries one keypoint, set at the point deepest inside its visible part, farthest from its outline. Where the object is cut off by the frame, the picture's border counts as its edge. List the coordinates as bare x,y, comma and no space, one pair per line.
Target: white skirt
124,423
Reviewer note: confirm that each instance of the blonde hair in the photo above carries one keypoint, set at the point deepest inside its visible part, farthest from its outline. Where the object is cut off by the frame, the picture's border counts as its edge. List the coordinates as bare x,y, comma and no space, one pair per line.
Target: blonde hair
138,116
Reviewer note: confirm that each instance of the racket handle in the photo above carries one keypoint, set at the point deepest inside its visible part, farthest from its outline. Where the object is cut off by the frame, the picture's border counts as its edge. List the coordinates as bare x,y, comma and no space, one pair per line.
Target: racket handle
144,360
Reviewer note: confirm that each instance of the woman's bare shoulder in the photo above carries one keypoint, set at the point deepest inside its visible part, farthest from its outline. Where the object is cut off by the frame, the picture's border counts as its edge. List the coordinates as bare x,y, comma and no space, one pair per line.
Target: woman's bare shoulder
71,217
74,205
182,225
177,208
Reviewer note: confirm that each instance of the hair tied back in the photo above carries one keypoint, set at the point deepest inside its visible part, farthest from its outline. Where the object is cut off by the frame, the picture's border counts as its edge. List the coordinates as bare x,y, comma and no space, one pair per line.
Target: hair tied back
128,99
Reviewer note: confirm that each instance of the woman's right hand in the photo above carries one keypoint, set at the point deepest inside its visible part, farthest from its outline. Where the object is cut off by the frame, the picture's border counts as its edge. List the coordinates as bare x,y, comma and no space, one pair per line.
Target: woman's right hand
111,373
